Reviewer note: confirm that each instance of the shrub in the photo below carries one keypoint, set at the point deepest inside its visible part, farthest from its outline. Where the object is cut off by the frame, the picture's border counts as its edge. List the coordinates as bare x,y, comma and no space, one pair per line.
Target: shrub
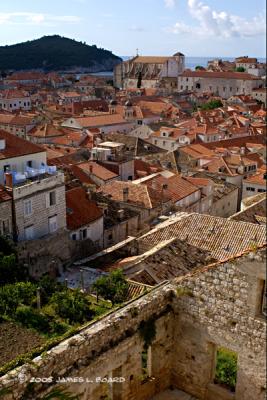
31,318
14,294
226,368
72,306
113,287
48,287
212,104
240,69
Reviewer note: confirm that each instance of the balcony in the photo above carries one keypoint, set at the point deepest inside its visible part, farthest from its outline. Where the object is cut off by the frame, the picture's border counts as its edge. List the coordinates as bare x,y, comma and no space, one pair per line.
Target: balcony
37,183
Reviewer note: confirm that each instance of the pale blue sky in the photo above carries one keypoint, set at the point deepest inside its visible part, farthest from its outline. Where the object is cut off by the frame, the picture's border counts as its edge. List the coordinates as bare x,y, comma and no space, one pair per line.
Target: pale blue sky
155,27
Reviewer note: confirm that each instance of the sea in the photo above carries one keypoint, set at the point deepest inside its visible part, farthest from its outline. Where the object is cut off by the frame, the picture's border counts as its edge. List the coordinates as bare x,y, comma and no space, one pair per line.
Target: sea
190,62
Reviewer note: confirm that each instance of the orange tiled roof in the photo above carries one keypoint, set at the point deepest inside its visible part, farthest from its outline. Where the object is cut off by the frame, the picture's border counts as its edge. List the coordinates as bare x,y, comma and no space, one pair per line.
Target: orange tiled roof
16,147
80,210
218,75
4,195
257,179
139,195
100,120
93,168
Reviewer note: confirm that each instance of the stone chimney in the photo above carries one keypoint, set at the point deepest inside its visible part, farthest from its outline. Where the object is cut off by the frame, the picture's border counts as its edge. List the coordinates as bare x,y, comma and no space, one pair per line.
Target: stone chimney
91,169
9,180
125,195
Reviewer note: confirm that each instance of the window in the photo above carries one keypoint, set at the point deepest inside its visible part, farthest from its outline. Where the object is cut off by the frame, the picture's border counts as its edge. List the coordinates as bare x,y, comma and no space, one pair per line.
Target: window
261,190
52,222
181,87
73,236
163,143
225,368
52,198
29,164
27,208
198,86
4,227
84,233
29,233
250,189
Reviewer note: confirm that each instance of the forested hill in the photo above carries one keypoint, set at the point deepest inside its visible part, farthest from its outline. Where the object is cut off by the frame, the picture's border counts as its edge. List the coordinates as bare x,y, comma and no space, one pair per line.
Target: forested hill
56,53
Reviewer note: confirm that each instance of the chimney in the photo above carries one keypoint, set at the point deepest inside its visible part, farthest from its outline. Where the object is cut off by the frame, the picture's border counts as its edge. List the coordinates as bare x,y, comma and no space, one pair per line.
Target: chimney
91,169
242,151
9,180
121,214
125,194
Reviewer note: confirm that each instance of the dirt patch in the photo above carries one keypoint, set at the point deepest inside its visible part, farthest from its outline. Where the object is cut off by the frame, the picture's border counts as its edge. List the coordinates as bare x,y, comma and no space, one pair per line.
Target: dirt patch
16,340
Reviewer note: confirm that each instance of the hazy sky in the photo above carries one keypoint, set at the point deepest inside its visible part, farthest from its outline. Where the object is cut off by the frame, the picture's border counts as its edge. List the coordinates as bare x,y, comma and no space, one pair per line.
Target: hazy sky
155,27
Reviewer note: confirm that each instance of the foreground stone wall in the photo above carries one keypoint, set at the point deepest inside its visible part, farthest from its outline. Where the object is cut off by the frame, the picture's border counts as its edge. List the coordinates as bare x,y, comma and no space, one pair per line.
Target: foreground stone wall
222,307
111,347
217,305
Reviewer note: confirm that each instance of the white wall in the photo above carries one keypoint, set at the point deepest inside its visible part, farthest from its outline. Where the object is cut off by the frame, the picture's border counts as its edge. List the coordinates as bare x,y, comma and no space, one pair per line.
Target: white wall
94,231
18,164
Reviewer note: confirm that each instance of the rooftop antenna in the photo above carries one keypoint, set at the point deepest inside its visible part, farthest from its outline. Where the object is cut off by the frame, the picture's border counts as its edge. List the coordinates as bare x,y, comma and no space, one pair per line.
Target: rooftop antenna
137,52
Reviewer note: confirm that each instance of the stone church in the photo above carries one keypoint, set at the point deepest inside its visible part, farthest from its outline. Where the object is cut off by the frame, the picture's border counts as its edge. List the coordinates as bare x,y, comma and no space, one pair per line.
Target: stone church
148,71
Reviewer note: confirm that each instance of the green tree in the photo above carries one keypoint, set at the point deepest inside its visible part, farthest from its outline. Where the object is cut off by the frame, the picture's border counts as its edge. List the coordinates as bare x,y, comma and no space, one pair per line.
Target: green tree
48,286
198,67
113,287
10,270
211,105
240,69
73,306
32,318
12,295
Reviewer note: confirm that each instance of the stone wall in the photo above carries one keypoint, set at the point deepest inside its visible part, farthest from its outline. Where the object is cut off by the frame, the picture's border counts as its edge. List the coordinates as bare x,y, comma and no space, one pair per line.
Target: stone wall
222,308
110,347
5,217
217,305
51,253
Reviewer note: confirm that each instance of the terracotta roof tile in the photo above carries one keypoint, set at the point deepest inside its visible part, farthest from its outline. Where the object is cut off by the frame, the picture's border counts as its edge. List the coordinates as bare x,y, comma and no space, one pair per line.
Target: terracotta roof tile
16,147
80,210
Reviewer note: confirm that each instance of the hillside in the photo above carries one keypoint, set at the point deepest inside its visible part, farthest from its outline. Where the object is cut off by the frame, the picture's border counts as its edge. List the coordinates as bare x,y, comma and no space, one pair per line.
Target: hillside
56,53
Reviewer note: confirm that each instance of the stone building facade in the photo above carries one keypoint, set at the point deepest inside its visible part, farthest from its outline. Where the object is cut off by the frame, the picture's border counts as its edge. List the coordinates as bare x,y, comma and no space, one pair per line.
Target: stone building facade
223,84
5,213
148,72
40,207
217,305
